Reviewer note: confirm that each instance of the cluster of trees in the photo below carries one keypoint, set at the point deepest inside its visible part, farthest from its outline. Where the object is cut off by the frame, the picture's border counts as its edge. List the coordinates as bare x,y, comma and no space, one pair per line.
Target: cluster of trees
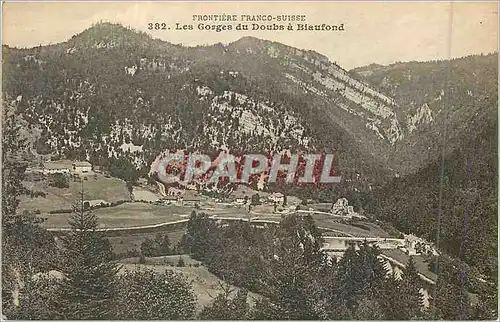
159,246
59,180
453,202
91,286
285,264
74,278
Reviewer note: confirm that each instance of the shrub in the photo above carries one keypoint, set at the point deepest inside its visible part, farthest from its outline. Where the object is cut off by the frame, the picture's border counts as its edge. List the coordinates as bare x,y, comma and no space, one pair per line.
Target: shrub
180,262
59,180
61,211
147,295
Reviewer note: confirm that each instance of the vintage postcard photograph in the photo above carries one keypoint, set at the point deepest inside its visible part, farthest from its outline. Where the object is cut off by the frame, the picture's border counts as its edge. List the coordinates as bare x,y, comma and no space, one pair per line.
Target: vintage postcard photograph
249,160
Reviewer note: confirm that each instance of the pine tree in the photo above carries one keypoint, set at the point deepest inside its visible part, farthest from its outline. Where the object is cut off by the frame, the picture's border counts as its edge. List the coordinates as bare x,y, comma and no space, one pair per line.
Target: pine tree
26,247
148,248
296,266
391,295
197,239
450,297
40,300
487,308
163,243
264,309
180,262
411,301
148,295
88,289
360,273
369,309
226,308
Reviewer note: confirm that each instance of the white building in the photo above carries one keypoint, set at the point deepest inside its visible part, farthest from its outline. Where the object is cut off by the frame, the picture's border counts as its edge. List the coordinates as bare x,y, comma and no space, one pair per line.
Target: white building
66,166
81,167
240,200
190,201
277,197
416,246
52,167
169,200
340,207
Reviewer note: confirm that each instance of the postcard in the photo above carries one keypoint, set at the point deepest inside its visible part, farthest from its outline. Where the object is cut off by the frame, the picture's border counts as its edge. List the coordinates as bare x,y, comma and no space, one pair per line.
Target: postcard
249,160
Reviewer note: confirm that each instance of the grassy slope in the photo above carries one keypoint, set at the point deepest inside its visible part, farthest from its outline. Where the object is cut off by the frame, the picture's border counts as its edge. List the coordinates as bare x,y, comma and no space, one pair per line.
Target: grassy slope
205,284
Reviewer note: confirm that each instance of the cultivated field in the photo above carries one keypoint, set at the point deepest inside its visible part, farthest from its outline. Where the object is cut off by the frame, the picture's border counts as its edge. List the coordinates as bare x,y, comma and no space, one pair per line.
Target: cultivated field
129,214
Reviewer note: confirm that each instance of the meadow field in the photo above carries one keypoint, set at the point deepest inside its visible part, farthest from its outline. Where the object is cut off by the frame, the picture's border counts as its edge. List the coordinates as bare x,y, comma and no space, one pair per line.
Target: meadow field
95,187
128,214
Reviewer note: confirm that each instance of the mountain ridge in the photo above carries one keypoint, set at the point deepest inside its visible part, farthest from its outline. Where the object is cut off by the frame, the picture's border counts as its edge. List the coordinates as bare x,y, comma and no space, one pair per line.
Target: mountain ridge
108,65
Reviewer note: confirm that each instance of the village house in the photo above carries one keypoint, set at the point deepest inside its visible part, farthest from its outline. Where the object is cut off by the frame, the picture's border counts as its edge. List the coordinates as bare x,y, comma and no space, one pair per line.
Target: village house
61,166
415,246
81,167
65,166
241,195
174,191
169,200
190,201
239,198
276,197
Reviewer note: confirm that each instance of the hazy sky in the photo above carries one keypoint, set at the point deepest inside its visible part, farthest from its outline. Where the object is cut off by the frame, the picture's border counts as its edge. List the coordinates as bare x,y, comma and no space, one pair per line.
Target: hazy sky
375,32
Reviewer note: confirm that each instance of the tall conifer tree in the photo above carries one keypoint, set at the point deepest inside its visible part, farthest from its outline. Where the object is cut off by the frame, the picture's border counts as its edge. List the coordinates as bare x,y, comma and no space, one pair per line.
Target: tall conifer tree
88,289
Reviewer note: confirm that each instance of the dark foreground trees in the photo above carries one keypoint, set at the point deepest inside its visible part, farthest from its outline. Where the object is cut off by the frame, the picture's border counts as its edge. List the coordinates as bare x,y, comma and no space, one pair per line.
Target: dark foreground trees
230,304
286,266
26,247
147,295
88,288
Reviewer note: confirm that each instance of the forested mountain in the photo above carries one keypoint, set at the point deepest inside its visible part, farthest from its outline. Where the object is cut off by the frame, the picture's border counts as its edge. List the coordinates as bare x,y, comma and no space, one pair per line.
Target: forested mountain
438,102
455,195
111,94
455,190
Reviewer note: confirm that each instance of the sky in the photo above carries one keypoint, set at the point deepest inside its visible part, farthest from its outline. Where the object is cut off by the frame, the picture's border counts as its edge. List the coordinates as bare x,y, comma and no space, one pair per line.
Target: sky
375,32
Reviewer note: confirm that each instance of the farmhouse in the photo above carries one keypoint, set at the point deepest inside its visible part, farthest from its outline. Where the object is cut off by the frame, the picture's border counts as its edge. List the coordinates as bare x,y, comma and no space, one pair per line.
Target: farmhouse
66,166
277,197
415,245
240,196
81,167
168,200
96,203
61,166
191,201
174,191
